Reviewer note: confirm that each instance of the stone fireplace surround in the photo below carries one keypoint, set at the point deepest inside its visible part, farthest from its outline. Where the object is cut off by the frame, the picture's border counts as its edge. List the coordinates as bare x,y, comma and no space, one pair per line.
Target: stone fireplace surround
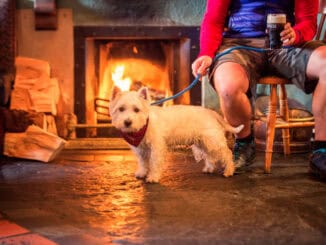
84,37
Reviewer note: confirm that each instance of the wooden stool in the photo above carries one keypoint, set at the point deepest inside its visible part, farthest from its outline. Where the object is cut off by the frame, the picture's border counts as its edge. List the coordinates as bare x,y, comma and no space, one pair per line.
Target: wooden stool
278,120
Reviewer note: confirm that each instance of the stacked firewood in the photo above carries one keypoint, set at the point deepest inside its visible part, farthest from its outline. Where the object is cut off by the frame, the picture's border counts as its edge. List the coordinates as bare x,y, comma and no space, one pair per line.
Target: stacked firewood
34,89
34,93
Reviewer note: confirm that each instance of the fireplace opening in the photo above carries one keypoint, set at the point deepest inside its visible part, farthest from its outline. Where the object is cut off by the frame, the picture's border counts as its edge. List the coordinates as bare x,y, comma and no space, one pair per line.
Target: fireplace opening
132,64
156,57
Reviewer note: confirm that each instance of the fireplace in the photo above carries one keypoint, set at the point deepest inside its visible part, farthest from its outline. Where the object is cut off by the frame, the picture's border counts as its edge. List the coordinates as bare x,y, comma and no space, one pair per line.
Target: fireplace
130,56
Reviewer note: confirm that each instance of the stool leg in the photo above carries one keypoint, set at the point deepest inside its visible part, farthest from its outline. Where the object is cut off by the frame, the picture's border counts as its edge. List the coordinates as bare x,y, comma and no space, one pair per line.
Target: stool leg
270,132
320,26
284,112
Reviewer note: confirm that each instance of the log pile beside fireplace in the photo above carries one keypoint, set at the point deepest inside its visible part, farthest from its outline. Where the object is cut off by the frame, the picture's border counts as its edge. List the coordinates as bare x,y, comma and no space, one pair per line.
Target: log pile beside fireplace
34,89
29,128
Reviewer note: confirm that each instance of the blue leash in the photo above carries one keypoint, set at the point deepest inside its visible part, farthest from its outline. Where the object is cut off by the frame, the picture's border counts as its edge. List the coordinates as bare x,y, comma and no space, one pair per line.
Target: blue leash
195,81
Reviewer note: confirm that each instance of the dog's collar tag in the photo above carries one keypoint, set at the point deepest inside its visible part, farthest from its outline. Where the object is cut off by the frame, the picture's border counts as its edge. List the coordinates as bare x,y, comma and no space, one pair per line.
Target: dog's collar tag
135,138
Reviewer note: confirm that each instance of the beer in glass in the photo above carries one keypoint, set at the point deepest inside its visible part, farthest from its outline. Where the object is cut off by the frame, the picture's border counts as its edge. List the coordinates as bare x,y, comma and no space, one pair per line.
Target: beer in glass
275,25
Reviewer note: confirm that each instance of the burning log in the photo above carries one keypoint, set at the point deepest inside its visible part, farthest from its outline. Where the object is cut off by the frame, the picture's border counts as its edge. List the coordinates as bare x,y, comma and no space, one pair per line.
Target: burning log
155,94
34,144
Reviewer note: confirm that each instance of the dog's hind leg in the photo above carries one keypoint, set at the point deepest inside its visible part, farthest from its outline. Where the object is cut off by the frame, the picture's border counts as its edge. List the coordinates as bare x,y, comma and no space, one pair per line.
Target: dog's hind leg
223,156
209,167
217,151
227,162
197,152
200,154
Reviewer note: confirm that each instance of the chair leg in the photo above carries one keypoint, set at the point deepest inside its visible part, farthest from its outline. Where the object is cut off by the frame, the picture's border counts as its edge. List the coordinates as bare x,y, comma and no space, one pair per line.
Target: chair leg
284,112
270,132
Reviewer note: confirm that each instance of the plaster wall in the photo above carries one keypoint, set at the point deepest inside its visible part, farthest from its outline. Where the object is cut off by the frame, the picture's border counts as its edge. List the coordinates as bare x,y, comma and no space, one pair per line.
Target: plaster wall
55,47
131,12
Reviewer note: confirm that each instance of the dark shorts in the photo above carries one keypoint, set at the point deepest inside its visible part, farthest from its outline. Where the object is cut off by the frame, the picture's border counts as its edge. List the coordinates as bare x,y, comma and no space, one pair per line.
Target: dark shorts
290,63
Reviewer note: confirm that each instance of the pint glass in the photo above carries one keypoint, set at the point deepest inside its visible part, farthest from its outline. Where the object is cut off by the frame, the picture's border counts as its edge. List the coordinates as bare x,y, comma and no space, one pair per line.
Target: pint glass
275,24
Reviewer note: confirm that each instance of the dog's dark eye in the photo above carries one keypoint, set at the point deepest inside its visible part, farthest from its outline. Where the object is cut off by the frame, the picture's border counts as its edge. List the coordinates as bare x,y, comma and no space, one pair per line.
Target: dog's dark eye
121,109
136,110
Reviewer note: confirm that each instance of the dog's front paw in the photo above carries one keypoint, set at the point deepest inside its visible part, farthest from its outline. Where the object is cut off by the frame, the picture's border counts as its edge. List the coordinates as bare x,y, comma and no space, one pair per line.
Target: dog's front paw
152,179
140,173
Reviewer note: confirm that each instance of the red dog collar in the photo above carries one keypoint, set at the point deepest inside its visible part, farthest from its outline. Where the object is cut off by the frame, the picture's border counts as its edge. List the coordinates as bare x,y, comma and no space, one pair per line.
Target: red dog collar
134,138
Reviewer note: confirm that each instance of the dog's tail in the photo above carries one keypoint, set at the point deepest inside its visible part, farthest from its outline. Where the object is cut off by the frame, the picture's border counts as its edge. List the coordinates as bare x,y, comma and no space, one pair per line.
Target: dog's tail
227,126
235,130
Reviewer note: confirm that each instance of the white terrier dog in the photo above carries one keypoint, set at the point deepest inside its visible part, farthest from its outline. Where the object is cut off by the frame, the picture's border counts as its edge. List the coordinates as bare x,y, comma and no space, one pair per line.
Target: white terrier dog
151,130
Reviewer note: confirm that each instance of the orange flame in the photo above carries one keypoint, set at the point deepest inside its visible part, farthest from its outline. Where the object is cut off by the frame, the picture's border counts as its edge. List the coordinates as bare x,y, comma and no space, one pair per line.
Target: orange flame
118,80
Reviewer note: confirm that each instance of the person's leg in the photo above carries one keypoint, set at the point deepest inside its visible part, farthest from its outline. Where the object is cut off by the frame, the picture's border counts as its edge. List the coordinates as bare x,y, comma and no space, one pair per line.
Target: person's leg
234,76
231,82
305,67
316,69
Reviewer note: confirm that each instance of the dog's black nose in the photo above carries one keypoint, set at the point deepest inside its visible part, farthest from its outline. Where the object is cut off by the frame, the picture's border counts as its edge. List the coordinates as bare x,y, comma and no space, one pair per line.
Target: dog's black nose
127,123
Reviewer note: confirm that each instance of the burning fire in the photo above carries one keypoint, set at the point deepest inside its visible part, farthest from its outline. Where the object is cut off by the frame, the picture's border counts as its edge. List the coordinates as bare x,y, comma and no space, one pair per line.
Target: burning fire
118,79
131,74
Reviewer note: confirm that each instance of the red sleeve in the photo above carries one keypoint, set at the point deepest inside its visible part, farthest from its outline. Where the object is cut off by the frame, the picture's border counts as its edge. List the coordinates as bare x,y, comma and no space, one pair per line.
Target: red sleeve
305,20
211,31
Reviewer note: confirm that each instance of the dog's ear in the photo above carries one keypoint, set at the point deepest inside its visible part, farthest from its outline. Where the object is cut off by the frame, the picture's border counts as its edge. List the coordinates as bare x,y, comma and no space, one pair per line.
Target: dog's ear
115,91
143,92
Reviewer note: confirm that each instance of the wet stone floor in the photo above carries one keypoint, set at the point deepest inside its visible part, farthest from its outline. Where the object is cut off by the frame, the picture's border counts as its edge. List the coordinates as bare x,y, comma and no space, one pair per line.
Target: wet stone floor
92,197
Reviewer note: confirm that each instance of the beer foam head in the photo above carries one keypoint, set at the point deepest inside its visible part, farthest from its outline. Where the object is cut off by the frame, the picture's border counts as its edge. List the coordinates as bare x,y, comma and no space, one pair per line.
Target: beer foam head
276,18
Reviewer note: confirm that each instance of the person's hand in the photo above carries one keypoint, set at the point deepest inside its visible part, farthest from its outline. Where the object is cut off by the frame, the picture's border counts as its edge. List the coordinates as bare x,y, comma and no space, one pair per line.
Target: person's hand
200,65
288,35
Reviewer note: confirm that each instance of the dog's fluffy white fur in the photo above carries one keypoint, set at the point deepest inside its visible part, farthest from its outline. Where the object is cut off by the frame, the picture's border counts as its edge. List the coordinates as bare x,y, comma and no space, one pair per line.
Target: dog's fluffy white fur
201,128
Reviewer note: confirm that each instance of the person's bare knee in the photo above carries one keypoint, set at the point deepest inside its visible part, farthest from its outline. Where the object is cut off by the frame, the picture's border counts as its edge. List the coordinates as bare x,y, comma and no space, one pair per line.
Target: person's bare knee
231,83
230,79
317,63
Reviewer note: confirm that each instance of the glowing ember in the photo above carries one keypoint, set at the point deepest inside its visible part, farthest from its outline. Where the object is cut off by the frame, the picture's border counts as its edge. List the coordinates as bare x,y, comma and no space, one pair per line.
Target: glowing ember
119,81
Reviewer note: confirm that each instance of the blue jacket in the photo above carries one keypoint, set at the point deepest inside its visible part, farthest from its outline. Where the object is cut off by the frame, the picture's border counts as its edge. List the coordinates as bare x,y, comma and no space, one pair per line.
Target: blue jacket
247,18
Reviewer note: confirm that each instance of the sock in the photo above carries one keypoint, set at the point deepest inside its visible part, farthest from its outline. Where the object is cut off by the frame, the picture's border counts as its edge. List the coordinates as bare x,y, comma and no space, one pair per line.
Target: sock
317,144
247,139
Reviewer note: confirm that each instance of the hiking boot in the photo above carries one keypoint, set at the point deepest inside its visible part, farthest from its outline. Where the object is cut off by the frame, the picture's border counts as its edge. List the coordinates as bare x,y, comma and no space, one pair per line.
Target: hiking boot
318,163
243,153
